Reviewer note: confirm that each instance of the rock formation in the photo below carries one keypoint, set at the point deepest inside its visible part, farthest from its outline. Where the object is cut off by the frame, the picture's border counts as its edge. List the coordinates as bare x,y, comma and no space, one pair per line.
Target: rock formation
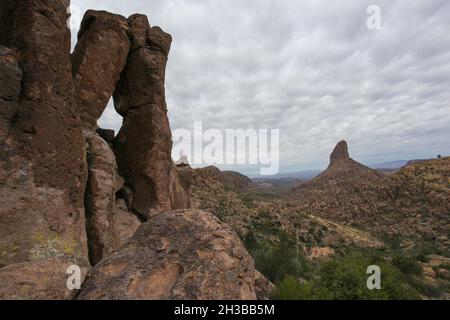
102,185
10,82
177,255
144,144
339,153
125,224
343,184
98,59
62,200
230,179
409,204
42,158
235,180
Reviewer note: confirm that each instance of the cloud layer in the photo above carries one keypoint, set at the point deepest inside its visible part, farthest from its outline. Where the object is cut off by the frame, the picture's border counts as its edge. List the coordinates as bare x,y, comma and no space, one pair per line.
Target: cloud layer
311,69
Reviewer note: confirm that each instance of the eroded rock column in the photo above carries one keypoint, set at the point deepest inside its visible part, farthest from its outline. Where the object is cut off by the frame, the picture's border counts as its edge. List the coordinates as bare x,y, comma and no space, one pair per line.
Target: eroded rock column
144,144
98,59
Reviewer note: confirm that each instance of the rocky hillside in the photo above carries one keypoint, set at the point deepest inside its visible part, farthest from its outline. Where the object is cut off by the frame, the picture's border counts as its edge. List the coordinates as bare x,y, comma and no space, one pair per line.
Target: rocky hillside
72,194
401,219
249,211
411,205
336,192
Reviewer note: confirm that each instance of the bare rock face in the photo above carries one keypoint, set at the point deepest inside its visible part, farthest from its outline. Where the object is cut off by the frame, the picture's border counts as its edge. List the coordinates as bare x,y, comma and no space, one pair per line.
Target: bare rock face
125,223
42,280
186,178
144,144
106,134
6,21
42,158
177,255
98,60
340,152
100,197
10,85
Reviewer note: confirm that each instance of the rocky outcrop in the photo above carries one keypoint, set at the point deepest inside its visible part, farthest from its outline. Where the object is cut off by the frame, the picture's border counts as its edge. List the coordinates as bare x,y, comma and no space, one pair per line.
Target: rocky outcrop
7,8
340,152
144,144
235,180
345,184
318,253
125,223
108,135
176,255
62,201
42,159
10,86
44,279
102,185
98,59
230,179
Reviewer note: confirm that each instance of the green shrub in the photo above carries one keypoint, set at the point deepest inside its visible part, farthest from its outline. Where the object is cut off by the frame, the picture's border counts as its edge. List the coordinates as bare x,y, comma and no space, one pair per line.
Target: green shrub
290,289
407,265
278,260
346,278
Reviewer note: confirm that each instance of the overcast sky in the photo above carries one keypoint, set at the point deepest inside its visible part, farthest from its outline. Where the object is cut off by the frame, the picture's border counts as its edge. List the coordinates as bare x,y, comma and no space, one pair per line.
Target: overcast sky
310,68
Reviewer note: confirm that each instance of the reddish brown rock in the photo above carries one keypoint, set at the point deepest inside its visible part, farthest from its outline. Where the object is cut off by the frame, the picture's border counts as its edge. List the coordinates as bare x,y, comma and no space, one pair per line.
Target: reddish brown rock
97,61
345,184
42,280
100,197
176,255
186,178
10,85
143,144
42,164
6,21
340,152
107,135
125,223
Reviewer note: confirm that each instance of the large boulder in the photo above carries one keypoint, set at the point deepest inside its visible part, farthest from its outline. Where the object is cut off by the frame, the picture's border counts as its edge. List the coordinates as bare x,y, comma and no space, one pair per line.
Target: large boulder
177,255
43,279
97,61
144,142
42,158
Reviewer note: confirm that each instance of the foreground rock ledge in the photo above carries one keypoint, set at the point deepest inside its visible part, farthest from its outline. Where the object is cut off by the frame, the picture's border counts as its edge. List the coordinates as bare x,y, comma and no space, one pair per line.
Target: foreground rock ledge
183,254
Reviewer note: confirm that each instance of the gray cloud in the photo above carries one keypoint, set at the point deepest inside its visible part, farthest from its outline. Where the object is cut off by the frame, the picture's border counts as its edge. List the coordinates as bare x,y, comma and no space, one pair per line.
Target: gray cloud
311,69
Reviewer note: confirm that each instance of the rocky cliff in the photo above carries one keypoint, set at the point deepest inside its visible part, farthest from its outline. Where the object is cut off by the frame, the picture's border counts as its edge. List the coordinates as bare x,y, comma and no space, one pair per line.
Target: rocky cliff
73,194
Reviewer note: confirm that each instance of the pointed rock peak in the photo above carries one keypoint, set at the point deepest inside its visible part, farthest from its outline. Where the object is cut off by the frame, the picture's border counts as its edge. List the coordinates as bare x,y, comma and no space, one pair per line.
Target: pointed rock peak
340,152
